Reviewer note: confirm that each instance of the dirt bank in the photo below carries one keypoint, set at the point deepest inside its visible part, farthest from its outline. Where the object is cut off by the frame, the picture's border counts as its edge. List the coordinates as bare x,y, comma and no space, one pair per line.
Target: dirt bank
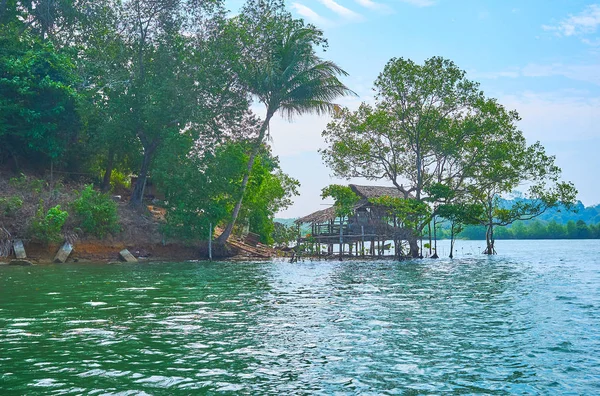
104,251
140,228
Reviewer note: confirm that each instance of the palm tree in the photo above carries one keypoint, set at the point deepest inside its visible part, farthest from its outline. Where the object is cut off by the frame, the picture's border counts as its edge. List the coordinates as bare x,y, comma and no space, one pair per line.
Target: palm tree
293,80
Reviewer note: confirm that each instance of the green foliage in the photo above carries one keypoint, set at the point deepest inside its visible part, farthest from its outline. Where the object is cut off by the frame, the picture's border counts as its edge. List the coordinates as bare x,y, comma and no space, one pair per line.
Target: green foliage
280,64
432,127
282,235
281,67
96,213
539,229
344,198
269,190
407,212
120,181
38,115
9,206
460,213
203,190
25,183
47,227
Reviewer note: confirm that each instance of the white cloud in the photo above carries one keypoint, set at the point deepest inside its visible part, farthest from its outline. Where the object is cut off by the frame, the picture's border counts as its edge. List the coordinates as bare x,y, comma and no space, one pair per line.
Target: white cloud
591,42
558,116
584,23
586,72
310,15
375,6
303,134
494,75
341,10
420,3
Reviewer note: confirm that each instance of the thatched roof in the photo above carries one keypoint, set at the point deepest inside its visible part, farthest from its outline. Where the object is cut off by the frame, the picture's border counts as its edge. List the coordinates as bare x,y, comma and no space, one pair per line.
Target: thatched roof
320,216
368,192
364,193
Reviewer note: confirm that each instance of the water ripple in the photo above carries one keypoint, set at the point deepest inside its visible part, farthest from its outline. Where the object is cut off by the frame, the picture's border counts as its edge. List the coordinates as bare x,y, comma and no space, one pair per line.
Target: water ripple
522,323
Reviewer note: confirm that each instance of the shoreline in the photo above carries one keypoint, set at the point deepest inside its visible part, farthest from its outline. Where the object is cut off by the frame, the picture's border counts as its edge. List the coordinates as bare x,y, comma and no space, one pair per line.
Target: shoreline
95,251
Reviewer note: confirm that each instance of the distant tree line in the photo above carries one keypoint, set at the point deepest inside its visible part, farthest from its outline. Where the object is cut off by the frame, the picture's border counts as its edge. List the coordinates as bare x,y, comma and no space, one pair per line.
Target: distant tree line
538,229
557,223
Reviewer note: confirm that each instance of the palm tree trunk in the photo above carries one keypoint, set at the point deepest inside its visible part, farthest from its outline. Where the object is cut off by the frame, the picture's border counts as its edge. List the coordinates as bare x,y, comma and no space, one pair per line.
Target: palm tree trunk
236,210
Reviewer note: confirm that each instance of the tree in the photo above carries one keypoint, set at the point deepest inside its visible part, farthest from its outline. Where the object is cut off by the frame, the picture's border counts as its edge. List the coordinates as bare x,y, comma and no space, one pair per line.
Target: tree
201,189
269,191
159,69
38,101
416,133
430,126
507,164
282,235
282,69
459,215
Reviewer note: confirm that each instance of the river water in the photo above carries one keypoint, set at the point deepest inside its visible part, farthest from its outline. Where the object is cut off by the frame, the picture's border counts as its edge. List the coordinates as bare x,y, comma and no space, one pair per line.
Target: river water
526,321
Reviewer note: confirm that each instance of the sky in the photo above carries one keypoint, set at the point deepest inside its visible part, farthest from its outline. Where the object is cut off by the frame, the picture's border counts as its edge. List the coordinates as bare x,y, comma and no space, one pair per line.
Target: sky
539,57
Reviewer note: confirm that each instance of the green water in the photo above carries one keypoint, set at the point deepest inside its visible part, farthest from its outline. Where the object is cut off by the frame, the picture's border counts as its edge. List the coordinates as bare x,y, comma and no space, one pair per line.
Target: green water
524,322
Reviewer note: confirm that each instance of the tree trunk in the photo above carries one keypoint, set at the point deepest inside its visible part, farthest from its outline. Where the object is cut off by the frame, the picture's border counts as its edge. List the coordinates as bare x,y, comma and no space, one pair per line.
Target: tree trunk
236,210
137,196
108,171
435,254
489,240
429,232
452,241
15,162
413,242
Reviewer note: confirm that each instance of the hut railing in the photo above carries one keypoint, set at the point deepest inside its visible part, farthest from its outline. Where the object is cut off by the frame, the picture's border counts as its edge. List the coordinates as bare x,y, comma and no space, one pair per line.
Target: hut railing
329,229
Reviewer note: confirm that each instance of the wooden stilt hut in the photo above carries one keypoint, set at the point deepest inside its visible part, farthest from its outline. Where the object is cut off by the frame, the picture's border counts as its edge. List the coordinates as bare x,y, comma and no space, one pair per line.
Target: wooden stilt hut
368,223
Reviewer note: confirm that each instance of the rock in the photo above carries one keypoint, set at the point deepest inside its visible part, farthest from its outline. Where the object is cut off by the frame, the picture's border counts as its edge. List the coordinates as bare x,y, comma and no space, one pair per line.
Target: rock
20,262
125,255
19,249
63,253
3,263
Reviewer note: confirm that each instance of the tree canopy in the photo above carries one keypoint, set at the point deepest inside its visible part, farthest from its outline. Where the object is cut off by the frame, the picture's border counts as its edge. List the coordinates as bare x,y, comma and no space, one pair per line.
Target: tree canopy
432,130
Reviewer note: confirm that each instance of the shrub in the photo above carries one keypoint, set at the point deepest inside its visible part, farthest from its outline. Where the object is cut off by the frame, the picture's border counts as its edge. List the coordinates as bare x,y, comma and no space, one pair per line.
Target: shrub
10,205
30,184
47,227
96,212
282,235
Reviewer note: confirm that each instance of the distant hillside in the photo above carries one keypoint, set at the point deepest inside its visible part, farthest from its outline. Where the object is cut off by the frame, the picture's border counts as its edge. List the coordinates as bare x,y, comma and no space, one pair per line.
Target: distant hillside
589,214
286,222
305,229
581,223
558,223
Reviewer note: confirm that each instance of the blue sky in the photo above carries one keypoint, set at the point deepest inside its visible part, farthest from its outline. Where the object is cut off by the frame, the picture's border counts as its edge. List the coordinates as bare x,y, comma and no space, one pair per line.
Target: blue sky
541,58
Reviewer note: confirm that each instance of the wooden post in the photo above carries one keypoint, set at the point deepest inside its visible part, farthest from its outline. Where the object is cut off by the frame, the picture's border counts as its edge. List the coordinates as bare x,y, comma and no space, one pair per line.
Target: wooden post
210,242
341,239
362,235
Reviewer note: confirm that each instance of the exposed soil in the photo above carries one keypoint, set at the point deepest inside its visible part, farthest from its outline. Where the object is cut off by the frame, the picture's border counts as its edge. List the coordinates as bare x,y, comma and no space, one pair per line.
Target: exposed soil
140,228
